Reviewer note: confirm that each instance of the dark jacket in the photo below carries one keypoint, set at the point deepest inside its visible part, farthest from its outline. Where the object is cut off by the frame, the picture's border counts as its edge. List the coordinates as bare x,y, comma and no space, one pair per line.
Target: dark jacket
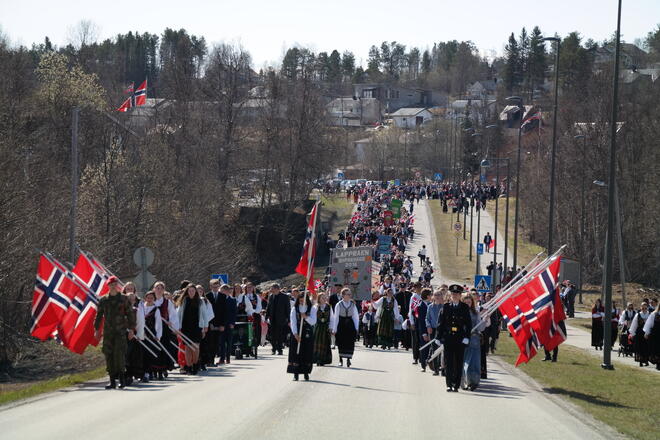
455,324
219,306
231,310
279,308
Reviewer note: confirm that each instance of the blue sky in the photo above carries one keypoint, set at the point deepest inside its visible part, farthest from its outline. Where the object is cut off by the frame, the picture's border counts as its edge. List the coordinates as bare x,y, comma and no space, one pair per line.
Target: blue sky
267,27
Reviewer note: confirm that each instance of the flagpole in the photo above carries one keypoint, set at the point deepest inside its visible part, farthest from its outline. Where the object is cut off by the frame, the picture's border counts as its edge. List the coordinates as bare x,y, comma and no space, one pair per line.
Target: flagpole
310,263
514,288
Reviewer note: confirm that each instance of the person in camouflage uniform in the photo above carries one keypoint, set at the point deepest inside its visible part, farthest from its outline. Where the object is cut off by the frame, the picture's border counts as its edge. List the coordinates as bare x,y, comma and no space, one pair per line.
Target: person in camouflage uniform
119,318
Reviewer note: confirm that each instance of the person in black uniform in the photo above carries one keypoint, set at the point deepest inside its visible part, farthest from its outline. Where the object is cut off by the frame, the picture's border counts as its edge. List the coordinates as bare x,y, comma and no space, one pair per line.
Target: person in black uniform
454,330
279,309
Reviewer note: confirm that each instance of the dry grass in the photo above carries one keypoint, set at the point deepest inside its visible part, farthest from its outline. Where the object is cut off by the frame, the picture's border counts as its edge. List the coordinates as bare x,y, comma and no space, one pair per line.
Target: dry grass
626,398
454,266
526,250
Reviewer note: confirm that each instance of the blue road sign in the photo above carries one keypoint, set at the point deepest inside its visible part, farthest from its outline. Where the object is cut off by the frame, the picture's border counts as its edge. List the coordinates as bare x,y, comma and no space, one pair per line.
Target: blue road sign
397,182
437,177
340,176
480,248
482,283
223,277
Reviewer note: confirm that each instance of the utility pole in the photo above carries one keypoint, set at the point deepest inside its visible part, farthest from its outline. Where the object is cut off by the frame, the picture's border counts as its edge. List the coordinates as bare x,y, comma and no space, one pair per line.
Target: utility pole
74,184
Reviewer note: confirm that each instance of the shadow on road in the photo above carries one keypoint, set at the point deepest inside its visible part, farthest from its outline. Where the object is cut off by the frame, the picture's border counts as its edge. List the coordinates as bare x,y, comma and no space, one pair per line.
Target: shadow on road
586,397
356,387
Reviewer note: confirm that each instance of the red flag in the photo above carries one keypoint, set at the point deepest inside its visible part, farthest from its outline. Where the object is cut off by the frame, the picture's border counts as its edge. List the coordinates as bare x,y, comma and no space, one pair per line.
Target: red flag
53,291
306,264
491,244
130,88
139,97
95,279
520,330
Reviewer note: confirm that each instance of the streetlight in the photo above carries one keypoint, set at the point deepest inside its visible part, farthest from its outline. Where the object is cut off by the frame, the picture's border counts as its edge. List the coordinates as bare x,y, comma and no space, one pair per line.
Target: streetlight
582,208
515,221
607,288
617,211
554,146
486,163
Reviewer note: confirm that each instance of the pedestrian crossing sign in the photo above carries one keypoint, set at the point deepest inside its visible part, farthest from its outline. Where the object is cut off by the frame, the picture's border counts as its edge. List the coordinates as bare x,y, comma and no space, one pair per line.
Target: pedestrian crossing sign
482,283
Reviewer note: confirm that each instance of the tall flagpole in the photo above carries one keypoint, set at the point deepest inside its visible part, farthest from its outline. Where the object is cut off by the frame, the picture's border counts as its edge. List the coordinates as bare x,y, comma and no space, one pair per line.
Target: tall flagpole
310,263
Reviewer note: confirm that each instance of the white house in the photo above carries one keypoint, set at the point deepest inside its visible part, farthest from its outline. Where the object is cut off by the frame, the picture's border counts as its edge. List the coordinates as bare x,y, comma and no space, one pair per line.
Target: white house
410,117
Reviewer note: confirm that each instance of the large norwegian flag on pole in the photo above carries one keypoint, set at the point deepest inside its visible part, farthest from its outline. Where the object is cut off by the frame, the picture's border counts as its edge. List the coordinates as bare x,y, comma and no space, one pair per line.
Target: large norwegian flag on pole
95,278
306,264
534,310
139,97
53,291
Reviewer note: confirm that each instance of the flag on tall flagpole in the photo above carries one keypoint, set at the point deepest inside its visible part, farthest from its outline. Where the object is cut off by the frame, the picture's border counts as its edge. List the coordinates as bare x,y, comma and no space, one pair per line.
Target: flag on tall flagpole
138,97
306,264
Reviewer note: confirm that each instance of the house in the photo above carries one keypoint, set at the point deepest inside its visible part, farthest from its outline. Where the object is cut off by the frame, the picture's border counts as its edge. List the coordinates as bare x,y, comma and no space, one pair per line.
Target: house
394,97
353,111
482,89
631,56
411,117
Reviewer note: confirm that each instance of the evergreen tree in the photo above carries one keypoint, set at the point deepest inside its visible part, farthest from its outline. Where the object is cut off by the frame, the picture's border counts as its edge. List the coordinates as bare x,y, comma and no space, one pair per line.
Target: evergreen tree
359,76
536,61
426,63
512,66
334,67
322,66
574,64
523,50
348,64
373,64
290,63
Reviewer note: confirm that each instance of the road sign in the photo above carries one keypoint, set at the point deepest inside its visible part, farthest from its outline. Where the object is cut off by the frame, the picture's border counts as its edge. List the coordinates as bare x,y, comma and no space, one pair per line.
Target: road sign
223,277
340,176
437,177
482,283
480,248
397,182
143,256
458,226
418,174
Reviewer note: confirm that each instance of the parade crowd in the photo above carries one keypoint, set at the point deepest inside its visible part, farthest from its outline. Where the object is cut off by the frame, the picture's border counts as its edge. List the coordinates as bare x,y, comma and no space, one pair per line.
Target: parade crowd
195,328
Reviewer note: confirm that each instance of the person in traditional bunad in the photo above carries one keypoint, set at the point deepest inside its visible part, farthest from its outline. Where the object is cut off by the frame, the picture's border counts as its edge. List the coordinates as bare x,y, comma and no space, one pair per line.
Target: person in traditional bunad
345,326
301,361
322,331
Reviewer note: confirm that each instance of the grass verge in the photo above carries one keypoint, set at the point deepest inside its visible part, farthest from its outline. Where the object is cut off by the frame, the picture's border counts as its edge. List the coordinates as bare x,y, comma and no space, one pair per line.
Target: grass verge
47,386
454,264
626,398
526,250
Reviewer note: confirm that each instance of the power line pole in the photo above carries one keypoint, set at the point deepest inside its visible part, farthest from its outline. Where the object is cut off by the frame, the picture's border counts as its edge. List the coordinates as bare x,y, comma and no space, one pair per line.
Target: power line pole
74,184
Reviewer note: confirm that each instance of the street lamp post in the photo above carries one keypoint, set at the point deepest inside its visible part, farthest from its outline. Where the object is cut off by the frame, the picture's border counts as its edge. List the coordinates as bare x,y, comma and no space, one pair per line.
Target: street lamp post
515,220
607,342
582,210
486,163
551,216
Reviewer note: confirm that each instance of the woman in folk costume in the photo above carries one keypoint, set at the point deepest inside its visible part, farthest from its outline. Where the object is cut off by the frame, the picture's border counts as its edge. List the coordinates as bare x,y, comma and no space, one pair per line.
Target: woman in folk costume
151,331
388,313
192,315
472,357
253,308
322,340
614,324
134,358
640,343
652,335
207,353
345,326
302,313
597,313
168,313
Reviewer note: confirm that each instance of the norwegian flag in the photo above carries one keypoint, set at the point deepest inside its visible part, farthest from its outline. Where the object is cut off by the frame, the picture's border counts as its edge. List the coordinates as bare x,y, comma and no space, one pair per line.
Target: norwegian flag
94,278
533,312
139,97
520,330
53,291
531,123
306,264
130,88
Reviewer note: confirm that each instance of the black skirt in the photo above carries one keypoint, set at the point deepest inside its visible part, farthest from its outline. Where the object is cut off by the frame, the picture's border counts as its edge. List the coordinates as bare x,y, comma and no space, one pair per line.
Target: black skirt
596,332
345,337
301,363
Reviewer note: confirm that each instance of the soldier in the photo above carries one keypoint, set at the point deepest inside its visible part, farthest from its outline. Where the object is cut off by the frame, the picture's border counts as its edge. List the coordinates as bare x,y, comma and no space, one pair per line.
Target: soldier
454,330
119,318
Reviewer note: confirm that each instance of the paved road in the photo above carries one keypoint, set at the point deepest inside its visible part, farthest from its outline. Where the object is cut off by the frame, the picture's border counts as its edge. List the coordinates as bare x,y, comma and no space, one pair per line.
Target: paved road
383,396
